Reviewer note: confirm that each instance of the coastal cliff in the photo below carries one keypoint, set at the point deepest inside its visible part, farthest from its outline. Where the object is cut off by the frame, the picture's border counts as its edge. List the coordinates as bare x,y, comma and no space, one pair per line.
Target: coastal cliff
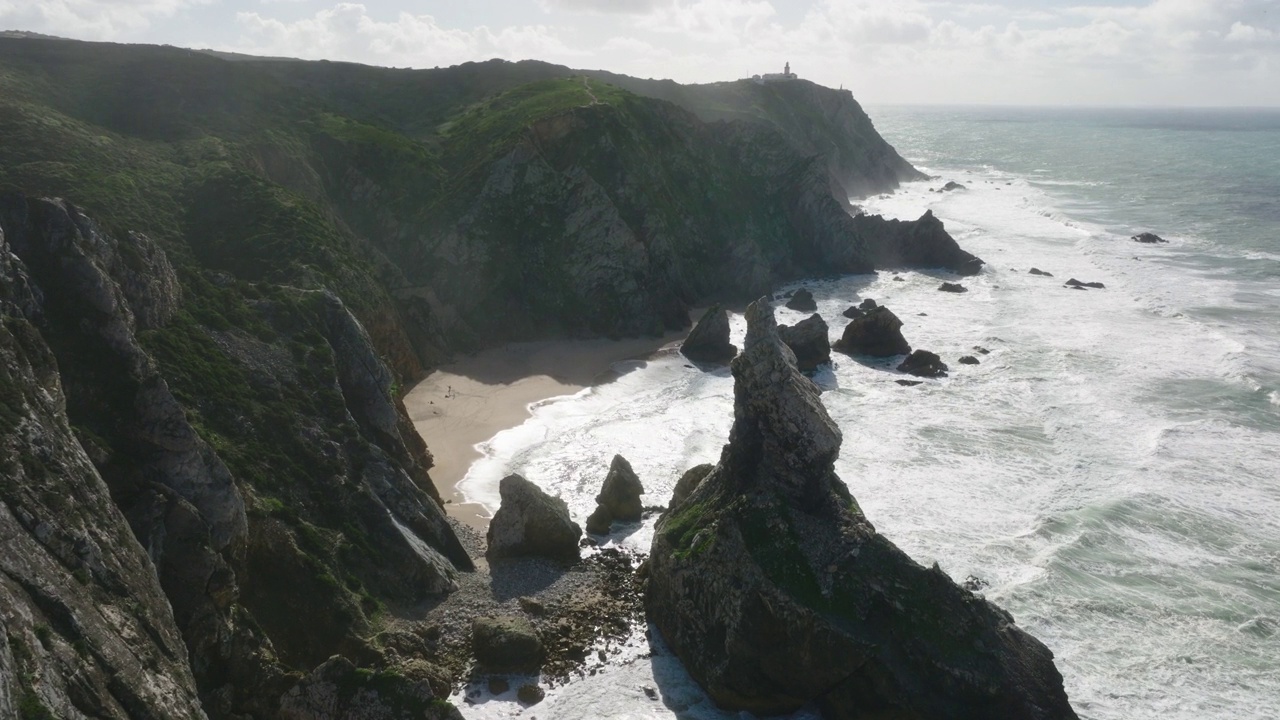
218,278
776,591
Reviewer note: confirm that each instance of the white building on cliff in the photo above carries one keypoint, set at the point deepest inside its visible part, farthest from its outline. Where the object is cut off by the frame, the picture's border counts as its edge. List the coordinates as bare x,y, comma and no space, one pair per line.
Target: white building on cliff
786,74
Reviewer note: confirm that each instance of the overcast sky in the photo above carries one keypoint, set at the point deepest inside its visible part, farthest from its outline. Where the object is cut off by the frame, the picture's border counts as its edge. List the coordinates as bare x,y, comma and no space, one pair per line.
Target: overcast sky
1114,52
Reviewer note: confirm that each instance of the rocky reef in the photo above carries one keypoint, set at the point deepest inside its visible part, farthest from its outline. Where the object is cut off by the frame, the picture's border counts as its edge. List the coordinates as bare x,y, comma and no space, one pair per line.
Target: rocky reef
776,591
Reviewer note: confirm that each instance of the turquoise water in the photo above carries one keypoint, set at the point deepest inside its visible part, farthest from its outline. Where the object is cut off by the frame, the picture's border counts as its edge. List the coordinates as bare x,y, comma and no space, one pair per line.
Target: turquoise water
1112,468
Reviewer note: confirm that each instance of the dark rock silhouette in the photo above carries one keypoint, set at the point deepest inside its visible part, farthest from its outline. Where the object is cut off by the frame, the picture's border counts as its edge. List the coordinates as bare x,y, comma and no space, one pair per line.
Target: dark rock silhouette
708,341
803,301
969,360
1038,271
923,363
1148,238
1081,285
619,498
775,590
878,334
952,287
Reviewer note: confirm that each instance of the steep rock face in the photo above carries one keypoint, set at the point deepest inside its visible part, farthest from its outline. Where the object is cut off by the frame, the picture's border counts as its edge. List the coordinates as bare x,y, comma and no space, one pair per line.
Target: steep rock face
775,591
297,385
89,631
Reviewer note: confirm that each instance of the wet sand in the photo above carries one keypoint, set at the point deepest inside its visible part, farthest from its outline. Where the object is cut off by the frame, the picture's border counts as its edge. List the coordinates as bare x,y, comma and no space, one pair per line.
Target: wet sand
475,398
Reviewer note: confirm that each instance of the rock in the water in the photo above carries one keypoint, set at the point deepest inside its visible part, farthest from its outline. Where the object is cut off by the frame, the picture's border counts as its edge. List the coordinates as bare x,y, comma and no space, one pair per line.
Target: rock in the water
530,694
1149,238
531,522
506,644
867,304
776,592
909,383
878,334
802,301
898,278
952,185
619,498
923,363
809,341
981,350
1078,284
853,311
920,243
952,287
968,360
688,482
709,340
1038,271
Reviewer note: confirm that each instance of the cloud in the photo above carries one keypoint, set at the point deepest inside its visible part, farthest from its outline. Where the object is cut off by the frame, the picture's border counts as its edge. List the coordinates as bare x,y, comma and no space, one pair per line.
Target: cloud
603,7
91,19
349,32
716,21
1241,33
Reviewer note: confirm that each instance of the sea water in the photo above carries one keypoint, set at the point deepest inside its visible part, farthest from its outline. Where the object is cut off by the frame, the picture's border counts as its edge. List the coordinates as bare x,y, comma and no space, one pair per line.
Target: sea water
1111,468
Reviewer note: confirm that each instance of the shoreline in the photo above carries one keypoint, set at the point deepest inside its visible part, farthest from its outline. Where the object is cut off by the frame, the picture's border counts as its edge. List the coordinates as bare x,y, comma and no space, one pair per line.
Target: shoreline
470,400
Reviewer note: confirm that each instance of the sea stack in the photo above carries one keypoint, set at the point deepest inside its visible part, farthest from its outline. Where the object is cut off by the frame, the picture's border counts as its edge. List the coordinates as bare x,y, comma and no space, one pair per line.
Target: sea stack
776,591
708,342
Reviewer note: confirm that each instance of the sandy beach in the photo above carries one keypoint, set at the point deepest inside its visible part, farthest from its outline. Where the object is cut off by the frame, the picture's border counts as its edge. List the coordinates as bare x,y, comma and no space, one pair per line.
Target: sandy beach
474,398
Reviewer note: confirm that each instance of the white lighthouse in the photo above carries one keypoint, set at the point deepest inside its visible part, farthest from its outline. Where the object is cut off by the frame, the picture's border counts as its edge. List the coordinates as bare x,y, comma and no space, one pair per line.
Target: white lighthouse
776,77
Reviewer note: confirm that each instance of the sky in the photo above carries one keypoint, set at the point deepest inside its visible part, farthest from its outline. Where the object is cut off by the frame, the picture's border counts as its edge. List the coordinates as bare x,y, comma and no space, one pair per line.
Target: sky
1006,52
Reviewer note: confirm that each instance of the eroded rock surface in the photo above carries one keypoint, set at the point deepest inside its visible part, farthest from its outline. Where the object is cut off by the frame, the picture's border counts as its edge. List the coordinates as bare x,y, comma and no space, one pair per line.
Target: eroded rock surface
619,498
776,591
531,522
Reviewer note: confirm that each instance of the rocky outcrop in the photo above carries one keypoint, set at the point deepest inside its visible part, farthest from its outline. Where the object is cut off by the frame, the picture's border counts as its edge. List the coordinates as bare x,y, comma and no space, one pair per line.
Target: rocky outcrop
852,312
952,185
921,243
688,482
1038,271
1148,238
952,288
531,522
923,363
809,341
802,301
619,498
708,342
776,591
969,360
1074,283
338,690
88,628
878,333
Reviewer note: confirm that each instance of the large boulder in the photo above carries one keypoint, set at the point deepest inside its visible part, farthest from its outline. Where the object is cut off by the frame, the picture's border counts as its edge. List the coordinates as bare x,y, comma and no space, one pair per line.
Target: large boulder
808,340
878,333
1149,238
709,340
506,644
953,287
802,301
531,523
923,363
619,498
776,592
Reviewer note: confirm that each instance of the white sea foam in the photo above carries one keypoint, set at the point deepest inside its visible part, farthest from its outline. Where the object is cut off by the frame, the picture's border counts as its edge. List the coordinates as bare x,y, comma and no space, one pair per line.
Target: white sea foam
1109,467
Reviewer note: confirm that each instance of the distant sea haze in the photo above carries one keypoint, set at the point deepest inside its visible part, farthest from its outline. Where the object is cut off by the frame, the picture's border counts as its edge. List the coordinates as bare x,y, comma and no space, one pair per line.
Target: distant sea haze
1109,469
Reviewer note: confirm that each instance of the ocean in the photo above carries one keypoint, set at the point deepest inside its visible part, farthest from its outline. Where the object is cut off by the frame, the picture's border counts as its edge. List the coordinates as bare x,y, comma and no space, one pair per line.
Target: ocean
1111,468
